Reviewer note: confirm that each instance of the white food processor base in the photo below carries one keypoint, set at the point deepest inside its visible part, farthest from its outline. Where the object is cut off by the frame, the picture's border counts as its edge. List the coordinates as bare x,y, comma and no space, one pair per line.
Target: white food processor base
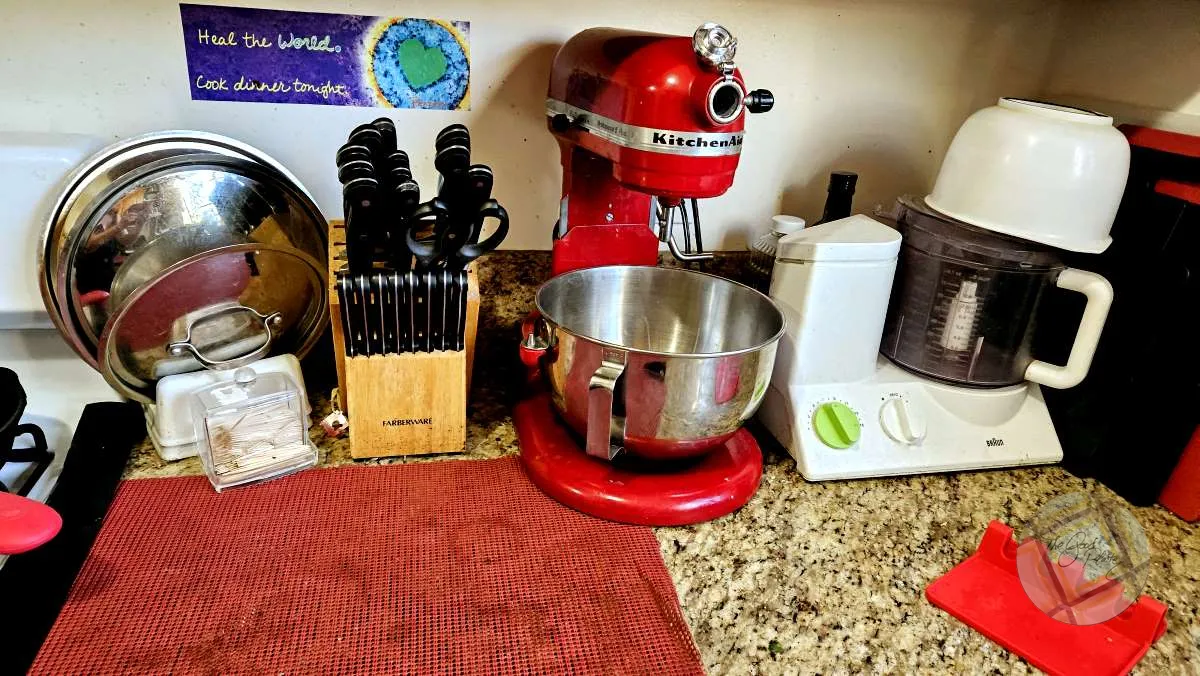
910,425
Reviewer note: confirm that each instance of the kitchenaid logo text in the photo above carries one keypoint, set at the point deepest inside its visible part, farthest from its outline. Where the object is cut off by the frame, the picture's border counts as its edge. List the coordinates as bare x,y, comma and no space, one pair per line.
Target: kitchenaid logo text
665,139
652,139
404,422
995,442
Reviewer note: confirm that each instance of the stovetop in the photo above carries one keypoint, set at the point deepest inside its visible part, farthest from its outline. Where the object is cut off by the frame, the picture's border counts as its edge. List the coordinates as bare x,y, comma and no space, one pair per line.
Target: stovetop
58,384
23,468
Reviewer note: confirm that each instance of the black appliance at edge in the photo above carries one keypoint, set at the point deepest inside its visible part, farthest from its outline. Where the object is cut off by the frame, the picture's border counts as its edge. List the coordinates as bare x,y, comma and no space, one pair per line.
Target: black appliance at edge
1129,421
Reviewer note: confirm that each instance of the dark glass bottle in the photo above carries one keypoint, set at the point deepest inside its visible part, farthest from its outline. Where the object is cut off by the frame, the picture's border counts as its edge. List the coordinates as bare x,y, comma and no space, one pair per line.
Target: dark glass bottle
841,196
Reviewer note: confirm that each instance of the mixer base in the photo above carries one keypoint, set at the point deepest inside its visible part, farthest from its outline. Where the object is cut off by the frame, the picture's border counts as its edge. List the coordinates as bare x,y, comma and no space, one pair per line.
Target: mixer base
629,490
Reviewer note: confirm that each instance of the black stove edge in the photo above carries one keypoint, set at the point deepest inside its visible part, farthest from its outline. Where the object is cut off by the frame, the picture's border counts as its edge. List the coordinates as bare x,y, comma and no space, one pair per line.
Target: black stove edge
40,580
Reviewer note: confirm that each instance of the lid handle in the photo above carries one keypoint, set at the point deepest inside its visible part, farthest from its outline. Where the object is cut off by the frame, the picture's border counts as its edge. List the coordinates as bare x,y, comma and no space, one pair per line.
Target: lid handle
1099,295
269,323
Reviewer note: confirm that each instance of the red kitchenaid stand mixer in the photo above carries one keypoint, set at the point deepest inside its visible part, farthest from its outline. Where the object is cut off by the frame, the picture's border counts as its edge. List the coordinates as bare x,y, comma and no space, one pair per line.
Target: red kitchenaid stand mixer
647,124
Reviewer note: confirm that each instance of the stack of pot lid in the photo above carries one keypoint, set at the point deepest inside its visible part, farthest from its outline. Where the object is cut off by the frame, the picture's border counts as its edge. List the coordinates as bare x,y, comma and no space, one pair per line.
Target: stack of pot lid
177,251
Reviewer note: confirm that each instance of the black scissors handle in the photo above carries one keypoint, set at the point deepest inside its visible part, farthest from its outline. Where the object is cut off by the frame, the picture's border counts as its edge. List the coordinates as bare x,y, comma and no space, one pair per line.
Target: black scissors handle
428,252
469,249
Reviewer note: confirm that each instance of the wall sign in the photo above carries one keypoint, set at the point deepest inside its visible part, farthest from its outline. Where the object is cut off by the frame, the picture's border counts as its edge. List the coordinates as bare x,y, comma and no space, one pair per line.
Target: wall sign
271,56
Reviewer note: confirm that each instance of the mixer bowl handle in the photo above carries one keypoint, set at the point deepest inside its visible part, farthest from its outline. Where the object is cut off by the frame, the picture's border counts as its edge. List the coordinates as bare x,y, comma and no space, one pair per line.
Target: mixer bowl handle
602,424
1099,295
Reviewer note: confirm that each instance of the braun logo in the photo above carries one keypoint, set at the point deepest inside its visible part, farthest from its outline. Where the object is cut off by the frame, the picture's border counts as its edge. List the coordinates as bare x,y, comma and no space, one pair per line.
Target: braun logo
995,442
664,139
402,422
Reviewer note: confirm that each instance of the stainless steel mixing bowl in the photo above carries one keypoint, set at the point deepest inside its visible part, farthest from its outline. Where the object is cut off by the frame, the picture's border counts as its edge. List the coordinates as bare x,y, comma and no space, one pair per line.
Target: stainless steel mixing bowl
664,363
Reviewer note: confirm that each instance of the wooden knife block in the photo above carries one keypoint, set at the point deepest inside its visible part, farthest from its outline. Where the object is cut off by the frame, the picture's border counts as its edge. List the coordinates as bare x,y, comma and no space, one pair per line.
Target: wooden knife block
402,404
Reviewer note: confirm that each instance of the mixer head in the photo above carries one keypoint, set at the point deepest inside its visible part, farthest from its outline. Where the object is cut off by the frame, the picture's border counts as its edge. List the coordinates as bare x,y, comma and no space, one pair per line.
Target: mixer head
643,115
668,111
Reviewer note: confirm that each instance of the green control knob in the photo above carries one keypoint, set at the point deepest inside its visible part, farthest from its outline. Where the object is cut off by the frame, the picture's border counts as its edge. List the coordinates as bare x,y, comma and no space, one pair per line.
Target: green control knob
836,425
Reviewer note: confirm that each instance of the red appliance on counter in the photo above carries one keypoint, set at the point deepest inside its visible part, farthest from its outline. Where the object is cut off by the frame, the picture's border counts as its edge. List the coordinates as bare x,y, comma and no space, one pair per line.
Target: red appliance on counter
1181,495
646,124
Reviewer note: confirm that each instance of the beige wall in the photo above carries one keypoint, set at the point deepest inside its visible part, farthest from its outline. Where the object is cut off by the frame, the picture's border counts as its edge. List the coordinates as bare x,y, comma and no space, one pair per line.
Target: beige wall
874,86
1136,59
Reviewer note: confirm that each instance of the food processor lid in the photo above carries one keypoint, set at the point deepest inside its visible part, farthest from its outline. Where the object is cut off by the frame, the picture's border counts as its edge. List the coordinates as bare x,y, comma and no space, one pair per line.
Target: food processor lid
215,310
856,238
930,231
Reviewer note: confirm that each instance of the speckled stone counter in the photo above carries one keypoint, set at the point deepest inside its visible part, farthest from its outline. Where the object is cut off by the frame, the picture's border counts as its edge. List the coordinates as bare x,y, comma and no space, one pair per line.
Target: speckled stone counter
808,577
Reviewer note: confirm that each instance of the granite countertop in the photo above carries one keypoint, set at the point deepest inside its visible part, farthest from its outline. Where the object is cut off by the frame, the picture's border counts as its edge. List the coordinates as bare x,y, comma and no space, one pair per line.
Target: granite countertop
814,577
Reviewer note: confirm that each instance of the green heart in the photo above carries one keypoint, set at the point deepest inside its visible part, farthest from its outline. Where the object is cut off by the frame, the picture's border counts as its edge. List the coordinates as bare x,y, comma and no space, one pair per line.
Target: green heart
421,65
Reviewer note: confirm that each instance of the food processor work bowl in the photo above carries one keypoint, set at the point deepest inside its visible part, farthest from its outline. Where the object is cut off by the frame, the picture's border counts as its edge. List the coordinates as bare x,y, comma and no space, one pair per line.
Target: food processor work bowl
662,363
964,301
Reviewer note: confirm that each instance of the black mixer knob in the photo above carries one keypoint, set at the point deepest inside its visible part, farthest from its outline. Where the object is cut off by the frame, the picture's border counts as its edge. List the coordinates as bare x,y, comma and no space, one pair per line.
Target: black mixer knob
560,123
760,101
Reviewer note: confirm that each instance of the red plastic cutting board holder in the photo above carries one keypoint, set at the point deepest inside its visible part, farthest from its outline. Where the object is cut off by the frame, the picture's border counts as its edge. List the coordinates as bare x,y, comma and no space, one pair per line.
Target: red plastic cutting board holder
443,567
985,592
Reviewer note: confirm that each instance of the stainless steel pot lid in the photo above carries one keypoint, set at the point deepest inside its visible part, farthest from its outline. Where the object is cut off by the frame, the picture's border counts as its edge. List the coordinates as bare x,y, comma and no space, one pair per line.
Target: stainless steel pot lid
103,174
172,209
218,309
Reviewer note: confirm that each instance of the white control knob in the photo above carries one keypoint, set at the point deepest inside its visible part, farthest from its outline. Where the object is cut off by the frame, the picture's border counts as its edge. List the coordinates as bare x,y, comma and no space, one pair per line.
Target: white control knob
902,421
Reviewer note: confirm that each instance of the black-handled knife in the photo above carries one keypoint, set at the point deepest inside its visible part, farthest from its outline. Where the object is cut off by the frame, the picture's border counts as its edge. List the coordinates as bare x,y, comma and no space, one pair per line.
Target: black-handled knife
352,151
387,135
375,313
355,169
477,190
406,197
369,136
359,195
453,135
362,344
345,291
420,311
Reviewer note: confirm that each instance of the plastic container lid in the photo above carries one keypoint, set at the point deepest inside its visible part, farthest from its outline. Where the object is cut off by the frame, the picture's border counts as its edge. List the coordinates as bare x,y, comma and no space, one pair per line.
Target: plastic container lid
251,429
855,238
786,225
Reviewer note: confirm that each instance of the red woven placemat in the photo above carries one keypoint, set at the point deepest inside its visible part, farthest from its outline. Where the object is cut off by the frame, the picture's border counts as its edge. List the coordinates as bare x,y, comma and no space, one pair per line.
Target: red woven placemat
444,567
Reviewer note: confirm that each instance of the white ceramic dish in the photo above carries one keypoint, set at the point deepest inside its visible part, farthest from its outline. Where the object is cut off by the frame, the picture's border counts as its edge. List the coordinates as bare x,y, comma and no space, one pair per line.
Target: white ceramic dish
1040,171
